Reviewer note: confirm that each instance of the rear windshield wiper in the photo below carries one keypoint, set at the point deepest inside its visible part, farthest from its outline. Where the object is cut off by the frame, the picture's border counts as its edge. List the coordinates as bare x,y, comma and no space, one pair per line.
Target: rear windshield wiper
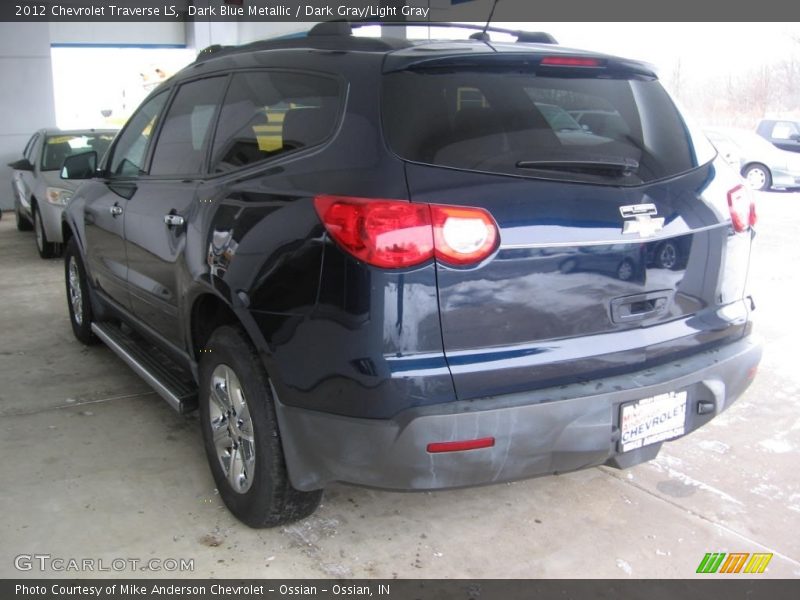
626,166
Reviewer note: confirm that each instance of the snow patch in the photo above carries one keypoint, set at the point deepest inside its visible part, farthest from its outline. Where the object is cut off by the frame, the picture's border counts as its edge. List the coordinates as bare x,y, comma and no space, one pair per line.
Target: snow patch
624,566
776,445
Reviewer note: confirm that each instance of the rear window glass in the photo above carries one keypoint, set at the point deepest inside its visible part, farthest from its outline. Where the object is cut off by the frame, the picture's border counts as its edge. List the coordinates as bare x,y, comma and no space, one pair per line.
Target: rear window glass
59,147
611,131
266,114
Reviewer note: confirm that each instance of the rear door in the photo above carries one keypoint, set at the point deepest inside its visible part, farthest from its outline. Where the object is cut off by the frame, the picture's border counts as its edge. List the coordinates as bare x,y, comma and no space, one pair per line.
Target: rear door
615,243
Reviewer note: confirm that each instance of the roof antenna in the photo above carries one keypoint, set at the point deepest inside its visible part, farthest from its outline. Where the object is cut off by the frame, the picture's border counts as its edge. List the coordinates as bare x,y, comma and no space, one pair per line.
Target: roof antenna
482,35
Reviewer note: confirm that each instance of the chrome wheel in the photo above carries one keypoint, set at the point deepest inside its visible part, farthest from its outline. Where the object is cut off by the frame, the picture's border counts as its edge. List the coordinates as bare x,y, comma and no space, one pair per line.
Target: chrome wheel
668,256
232,428
756,178
37,226
75,294
625,270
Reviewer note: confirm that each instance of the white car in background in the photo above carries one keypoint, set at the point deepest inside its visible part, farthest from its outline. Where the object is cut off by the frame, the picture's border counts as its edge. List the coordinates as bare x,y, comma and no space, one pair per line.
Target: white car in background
39,192
762,165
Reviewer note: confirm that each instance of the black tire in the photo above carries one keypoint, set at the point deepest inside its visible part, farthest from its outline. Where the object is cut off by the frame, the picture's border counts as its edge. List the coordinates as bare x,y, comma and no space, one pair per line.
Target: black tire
758,177
22,222
667,256
266,498
626,270
80,309
46,249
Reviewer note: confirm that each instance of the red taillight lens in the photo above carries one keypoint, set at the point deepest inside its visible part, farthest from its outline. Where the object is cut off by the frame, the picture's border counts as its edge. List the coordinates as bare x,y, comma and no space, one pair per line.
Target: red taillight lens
570,61
384,233
397,234
742,208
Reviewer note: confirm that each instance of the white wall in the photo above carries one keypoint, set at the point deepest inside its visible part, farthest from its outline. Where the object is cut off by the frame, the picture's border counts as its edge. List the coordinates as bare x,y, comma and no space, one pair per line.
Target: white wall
26,93
156,33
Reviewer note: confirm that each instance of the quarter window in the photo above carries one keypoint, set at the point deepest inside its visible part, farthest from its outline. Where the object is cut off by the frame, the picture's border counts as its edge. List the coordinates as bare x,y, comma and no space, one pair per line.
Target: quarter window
267,114
183,141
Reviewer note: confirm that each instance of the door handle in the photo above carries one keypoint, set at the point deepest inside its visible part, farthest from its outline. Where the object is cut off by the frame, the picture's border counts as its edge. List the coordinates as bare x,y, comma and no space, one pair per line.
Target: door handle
115,210
171,220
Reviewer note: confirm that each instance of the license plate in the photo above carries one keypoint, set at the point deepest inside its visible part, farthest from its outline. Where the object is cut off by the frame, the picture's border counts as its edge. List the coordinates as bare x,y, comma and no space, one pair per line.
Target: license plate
652,420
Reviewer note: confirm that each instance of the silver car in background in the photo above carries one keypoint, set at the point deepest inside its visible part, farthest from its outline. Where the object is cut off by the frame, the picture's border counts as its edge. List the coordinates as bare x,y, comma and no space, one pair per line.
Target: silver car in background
762,165
39,192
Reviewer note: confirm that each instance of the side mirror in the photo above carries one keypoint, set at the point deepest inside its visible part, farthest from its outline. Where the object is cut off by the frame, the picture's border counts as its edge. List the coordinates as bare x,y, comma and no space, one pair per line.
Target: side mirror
795,137
23,164
80,166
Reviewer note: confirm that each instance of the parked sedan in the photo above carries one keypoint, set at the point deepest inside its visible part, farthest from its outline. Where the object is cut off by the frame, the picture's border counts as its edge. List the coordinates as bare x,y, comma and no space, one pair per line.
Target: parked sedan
761,164
39,193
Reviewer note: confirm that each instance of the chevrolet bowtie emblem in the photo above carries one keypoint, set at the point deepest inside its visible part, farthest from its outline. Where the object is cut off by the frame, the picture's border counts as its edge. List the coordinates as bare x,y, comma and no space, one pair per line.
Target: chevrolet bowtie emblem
641,219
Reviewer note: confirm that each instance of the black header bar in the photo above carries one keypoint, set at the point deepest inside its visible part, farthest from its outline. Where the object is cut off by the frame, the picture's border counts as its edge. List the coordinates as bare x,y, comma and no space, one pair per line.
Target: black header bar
397,10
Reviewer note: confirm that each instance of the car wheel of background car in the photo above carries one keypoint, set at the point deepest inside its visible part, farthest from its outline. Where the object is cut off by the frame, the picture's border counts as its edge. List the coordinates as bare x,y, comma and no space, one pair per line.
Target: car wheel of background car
667,256
78,299
240,432
22,223
758,177
625,270
46,249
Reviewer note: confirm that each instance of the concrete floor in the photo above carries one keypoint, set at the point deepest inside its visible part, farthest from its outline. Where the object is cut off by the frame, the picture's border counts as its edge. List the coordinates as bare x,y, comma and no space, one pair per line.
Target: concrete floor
97,466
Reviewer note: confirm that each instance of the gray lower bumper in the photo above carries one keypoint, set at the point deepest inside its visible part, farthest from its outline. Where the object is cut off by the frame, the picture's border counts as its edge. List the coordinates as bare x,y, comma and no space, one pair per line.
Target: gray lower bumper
784,179
542,432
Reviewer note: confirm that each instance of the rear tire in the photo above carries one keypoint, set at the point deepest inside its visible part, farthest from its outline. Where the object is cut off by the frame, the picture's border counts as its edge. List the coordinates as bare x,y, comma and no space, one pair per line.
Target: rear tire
667,256
46,249
241,436
625,270
758,177
79,301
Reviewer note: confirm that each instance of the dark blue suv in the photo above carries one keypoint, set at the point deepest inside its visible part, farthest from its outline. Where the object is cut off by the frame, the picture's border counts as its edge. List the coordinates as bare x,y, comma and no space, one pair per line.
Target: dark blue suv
415,265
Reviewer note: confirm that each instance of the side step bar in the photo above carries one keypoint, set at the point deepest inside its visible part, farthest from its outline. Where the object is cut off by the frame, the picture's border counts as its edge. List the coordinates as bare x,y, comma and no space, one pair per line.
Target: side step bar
149,365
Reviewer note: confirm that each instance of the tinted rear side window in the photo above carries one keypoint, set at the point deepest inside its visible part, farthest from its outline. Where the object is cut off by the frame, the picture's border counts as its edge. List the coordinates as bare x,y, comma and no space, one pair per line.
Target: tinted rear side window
182,143
613,131
267,114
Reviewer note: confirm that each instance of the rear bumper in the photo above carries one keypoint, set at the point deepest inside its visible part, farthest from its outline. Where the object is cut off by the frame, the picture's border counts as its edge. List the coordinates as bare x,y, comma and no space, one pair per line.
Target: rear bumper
785,179
542,432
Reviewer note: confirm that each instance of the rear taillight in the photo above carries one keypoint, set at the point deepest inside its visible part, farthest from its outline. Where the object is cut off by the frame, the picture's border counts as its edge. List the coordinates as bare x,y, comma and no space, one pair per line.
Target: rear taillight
742,207
462,236
394,234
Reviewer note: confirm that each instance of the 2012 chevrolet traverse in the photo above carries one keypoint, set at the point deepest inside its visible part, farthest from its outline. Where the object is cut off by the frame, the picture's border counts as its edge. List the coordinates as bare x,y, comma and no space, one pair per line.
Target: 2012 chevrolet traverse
392,264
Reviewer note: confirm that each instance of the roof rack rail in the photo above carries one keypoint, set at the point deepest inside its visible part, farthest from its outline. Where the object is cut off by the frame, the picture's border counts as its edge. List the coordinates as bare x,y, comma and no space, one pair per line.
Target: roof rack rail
528,37
338,35
335,36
